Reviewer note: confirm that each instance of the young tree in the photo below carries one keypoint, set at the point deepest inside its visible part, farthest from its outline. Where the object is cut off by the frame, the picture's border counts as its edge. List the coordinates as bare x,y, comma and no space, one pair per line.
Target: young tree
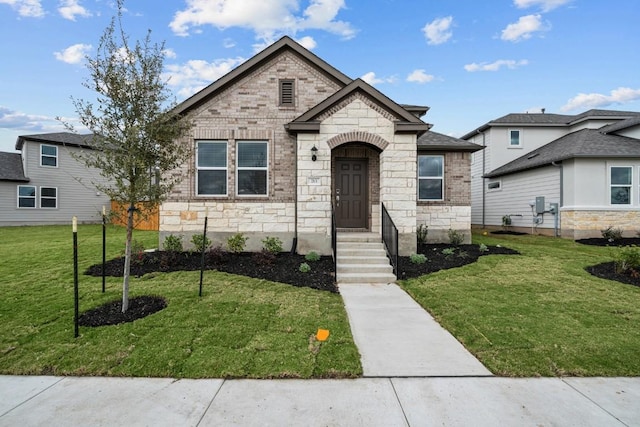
136,137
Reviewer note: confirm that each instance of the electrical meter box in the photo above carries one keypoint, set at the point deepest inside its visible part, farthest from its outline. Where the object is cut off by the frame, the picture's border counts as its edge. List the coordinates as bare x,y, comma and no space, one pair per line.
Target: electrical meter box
539,204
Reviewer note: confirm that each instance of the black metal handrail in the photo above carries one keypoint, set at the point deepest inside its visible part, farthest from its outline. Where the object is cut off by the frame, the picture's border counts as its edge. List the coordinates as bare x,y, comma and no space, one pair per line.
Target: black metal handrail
334,244
390,239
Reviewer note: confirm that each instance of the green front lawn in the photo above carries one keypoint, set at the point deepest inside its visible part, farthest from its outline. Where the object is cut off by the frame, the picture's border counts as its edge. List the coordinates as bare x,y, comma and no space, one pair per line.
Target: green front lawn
539,313
240,327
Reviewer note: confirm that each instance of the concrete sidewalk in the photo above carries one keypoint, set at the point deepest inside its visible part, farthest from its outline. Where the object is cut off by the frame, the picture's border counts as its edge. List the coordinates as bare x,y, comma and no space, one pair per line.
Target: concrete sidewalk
396,337
488,401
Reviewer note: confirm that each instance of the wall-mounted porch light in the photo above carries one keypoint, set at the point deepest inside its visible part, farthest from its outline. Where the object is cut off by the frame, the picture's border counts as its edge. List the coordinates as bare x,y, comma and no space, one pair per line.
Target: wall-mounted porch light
314,152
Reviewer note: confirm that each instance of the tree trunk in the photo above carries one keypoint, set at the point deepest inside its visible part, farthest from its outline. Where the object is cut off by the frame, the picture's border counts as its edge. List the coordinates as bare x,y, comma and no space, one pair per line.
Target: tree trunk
127,259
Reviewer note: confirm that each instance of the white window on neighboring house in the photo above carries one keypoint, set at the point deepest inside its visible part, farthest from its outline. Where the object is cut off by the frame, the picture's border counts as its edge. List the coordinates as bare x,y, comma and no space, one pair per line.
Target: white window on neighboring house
252,168
48,155
494,185
26,196
211,163
49,197
621,179
431,178
515,138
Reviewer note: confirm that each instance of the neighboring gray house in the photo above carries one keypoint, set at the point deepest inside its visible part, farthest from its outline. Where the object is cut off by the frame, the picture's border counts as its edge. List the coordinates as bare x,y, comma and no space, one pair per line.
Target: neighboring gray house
285,139
588,165
44,184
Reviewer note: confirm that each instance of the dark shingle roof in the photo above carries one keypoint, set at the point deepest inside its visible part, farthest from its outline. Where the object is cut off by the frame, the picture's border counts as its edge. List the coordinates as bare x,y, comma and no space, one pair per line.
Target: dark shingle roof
436,141
11,167
624,124
583,143
59,138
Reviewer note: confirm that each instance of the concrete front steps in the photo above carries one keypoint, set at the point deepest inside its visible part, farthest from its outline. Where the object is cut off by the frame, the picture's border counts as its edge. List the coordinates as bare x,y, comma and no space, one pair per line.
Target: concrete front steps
362,259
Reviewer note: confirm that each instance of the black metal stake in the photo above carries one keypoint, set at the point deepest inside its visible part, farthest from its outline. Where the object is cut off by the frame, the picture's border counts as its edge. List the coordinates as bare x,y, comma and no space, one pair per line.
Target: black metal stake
75,276
104,248
204,248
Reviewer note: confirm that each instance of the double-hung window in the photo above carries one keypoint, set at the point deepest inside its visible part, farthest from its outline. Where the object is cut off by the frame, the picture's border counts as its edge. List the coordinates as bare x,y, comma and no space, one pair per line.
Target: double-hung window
211,163
430,177
252,168
514,138
621,178
26,196
48,197
48,155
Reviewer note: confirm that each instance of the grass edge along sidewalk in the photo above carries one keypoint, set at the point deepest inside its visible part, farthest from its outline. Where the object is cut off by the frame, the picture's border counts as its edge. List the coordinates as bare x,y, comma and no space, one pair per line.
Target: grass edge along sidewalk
539,313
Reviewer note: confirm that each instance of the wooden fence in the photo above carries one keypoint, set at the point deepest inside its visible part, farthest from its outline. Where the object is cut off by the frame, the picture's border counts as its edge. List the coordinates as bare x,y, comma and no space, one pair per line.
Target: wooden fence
146,216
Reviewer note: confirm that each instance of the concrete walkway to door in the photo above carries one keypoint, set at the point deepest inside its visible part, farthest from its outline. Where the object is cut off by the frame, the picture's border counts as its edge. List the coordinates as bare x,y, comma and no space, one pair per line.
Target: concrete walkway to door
398,338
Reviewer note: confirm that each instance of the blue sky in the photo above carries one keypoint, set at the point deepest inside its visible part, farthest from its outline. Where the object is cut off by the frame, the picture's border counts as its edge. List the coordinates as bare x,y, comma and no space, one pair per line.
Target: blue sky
470,61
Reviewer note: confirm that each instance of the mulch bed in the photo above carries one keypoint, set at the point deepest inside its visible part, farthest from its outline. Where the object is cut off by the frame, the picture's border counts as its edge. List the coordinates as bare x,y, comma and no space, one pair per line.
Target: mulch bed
509,232
111,312
607,270
598,241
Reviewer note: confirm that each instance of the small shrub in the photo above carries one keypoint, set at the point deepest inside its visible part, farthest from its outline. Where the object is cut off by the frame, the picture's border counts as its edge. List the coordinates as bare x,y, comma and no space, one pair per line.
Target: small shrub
448,251
463,254
628,259
273,245
173,243
417,258
506,221
612,234
200,243
304,268
264,257
421,234
236,243
312,256
168,259
216,256
483,248
455,238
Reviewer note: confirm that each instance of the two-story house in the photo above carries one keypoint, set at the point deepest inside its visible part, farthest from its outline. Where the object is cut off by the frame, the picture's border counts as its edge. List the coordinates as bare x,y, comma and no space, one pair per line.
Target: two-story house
565,175
286,142
43,184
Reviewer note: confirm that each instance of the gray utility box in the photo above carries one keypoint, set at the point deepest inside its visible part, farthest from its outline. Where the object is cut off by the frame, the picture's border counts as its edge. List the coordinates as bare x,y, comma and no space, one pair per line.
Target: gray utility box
539,204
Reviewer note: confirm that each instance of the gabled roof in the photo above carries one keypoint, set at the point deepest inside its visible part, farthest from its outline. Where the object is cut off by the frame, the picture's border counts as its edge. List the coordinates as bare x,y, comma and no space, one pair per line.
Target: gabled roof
285,43
552,120
434,141
585,143
59,138
621,125
11,167
407,121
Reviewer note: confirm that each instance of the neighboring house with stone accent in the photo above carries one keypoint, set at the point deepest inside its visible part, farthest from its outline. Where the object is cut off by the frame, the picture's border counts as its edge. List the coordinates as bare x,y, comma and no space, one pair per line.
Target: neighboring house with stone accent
285,139
586,164
43,184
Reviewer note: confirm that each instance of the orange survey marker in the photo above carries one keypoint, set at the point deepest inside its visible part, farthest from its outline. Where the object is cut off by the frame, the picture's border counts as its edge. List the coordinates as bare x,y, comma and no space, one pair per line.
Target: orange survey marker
322,334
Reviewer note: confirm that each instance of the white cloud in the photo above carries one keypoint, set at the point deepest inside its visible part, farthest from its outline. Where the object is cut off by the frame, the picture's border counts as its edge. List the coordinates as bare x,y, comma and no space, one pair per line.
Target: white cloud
69,9
585,101
26,8
496,65
268,19
371,78
196,74
73,54
438,31
420,76
523,29
11,119
307,42
170,53
545,5
228,43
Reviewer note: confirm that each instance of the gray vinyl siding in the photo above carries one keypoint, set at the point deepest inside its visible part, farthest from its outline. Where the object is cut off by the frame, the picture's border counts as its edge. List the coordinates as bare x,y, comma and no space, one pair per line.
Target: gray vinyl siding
76,193
517,191
477,182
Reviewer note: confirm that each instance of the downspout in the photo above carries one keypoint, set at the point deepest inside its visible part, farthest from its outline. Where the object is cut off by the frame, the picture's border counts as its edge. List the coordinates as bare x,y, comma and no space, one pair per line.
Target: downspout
294,244
557,218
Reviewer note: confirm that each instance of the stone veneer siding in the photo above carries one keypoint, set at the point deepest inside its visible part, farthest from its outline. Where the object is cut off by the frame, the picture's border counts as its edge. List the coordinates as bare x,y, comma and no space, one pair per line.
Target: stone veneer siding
454,212
583,224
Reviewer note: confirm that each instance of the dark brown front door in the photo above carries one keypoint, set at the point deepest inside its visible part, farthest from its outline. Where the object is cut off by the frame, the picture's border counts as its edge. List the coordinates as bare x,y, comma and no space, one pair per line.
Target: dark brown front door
351,193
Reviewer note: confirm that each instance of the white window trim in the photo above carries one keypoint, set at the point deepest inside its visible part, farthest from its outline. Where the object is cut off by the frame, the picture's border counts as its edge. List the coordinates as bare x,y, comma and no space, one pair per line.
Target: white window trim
49,155
611,185
47,197
35,197
239,168
509,145
431,177
499,188
204,168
